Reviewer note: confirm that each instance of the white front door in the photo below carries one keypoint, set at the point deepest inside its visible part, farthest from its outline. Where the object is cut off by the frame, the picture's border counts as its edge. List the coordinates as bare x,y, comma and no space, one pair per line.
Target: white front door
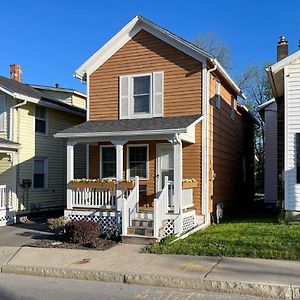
165,167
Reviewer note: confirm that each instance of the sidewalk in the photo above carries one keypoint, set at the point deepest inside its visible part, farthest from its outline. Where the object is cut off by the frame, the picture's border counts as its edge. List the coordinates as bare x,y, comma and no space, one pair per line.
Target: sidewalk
124,263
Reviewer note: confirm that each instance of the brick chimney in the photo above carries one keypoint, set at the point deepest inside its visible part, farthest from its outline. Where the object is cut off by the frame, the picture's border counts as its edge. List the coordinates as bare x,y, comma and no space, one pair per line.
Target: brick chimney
16,72
282,48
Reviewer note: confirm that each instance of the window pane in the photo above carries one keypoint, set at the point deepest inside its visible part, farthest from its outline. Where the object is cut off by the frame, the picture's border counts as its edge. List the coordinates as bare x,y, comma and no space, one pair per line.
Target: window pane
108,162
298,156
39,181
141,85
40,126
138,169
138,153
39,167
138,161
141,104
40,112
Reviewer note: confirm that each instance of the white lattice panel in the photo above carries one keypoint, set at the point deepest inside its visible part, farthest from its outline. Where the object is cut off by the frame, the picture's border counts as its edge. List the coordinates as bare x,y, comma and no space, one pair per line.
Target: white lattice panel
7,217
169,228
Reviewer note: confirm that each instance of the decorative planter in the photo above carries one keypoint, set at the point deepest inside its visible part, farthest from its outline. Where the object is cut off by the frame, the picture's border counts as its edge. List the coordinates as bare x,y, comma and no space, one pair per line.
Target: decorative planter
189,185
126,185
93,185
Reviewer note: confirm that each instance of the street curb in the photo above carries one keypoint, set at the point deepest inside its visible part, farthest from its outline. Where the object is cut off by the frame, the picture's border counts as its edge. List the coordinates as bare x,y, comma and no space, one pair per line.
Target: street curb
276,291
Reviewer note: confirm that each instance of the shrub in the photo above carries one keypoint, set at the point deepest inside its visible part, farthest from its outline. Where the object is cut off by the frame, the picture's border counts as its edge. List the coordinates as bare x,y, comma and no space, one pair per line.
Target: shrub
82,232
57,225
111,233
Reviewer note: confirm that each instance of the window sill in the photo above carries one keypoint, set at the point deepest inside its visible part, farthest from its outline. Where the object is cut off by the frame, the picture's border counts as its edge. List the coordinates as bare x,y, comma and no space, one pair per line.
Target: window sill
41,134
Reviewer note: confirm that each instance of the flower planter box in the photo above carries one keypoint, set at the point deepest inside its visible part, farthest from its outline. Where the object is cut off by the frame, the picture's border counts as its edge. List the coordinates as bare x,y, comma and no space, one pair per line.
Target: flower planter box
93,185
189,185
126,185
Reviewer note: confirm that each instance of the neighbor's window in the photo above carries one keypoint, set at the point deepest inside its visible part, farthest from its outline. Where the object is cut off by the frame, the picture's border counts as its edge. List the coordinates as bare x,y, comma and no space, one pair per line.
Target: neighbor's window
2,110
40,173
218,94
141,94
138,161
108,162
40,120
298,156
232,108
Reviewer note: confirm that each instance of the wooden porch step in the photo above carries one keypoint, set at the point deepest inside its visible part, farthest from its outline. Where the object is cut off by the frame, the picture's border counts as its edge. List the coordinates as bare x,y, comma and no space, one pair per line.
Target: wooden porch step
138,239
142,231
146,223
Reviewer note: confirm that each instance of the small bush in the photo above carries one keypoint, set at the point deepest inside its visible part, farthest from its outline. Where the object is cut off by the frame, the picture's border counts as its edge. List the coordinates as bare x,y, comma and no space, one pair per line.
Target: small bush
111,233
57,225
82,232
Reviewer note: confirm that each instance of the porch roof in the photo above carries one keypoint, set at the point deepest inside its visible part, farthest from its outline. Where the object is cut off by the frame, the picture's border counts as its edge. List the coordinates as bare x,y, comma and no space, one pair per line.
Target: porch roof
131,127
6,145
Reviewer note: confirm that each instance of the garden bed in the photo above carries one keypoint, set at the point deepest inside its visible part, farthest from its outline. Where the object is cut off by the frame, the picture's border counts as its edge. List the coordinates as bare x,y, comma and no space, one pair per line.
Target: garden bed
256,237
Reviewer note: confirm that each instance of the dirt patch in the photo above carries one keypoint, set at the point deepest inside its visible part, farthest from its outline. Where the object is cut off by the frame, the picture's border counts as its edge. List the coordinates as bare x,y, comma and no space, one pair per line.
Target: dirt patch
100,244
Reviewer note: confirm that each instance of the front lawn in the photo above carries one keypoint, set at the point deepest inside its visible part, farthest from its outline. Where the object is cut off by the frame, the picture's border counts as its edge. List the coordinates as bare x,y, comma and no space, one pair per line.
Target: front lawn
260,237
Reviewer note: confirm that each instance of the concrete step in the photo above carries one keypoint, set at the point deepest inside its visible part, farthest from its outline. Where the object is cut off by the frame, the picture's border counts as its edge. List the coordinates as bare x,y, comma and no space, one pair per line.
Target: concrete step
140,231
146,223
138,239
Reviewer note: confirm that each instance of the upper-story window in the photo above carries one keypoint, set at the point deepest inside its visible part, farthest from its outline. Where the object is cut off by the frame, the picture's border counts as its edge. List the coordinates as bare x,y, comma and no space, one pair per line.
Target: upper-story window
2,112
232,112
40,120
218,94
141,96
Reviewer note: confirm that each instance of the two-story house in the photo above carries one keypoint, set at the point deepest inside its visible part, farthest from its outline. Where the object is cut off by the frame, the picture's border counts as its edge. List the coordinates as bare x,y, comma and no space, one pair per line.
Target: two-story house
164,113
283,131
32,162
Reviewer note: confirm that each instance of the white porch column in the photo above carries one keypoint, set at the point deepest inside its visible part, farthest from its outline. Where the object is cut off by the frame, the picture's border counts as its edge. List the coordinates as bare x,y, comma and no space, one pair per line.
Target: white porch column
70,170
177,148
119,170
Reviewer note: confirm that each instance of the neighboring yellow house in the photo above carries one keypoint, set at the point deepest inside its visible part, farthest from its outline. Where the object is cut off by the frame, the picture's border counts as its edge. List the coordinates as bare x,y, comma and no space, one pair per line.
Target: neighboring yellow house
32,162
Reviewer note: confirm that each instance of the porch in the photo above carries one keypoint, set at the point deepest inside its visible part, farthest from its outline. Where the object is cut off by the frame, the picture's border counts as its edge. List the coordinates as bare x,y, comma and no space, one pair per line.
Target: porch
145,196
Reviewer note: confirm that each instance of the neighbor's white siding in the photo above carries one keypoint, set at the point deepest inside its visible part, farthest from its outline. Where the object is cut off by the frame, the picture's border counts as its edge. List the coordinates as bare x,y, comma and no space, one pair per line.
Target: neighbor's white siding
271,153
292,126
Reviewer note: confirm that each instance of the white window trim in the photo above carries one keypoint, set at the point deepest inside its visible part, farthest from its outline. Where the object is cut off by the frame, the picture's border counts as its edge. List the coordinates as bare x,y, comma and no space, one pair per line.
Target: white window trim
4,114
45,159
101,165
127,161
232,109
132,114
218,93
46,119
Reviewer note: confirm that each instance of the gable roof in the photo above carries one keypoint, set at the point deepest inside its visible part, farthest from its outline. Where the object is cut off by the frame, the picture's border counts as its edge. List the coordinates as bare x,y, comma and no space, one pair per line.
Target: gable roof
137,24
57,89
26,92
147,126
266,104
284,62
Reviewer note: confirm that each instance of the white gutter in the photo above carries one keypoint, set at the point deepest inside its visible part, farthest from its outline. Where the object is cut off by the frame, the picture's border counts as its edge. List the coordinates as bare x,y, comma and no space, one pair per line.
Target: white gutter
205,163
11,113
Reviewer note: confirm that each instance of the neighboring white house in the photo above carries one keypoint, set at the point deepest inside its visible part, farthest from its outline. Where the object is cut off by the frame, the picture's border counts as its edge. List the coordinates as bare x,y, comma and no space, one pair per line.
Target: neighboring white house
269,113
284,77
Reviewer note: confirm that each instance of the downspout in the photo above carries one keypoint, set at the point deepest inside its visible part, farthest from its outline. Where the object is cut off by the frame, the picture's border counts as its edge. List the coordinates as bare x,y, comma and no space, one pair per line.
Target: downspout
205,163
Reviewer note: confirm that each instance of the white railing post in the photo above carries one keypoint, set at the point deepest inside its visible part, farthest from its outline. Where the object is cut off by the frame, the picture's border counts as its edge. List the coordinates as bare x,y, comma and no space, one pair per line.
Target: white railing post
137,184
70,171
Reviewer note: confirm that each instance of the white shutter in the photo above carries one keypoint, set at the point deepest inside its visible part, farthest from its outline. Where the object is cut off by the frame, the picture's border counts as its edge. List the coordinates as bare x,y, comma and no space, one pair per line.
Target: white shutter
2,109
158,94
124,101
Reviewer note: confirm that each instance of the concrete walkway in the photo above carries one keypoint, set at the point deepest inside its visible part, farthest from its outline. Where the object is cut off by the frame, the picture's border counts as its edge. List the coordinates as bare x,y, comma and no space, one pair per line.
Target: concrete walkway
125,264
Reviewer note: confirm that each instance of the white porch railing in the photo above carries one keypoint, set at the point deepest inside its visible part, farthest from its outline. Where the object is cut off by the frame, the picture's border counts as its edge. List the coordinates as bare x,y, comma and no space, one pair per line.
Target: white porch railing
92,198
130,207
187,198
5,197
161,208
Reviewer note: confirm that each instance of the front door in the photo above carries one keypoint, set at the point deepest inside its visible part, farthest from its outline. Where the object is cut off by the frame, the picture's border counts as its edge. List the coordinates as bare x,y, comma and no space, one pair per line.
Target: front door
165,167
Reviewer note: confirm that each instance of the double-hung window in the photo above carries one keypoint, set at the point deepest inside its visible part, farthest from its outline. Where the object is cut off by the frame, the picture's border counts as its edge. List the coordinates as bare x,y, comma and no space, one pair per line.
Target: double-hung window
141,95
108,162
40,170
137,161
2,112
40,120
218,94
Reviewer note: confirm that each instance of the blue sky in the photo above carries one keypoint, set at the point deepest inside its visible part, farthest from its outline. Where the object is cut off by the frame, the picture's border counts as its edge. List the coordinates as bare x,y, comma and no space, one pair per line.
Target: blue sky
50,39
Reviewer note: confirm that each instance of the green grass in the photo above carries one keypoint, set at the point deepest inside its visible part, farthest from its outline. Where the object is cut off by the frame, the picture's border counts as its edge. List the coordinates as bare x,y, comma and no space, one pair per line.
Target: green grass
263,237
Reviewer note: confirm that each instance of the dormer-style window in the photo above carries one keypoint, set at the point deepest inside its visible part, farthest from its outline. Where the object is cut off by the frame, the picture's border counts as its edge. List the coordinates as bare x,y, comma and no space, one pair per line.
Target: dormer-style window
141,96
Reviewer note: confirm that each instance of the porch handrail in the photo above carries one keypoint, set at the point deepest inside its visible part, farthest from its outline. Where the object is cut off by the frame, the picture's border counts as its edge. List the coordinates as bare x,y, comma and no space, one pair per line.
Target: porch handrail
130,207
160,208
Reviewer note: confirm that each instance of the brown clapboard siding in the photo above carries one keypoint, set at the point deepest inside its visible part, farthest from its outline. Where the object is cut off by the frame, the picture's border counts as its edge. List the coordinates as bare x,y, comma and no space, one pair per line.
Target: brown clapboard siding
146,53
182,96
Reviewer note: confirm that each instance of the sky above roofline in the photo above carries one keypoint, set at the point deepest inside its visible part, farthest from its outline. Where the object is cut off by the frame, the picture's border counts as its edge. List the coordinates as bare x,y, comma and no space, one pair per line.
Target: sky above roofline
51,39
